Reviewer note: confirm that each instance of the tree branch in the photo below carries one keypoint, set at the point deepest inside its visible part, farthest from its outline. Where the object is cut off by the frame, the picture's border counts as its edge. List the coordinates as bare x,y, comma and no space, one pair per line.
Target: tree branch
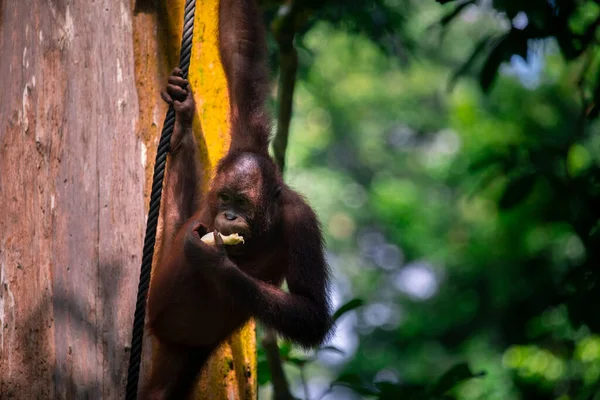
281,387
284,30
285,94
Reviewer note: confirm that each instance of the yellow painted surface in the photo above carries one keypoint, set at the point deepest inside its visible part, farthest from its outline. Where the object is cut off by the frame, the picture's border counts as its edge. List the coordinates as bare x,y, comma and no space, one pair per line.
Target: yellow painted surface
208,81
231,373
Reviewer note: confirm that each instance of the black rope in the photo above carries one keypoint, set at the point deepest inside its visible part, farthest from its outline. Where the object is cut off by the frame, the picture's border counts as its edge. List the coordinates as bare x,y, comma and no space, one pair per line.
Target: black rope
137,334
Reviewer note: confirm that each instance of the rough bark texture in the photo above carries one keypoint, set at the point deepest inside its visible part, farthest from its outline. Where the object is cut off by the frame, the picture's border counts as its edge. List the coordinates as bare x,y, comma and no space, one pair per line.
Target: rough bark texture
80,115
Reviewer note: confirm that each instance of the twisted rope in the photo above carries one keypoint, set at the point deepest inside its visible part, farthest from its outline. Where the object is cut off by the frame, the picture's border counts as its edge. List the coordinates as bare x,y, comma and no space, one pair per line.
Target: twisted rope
137,335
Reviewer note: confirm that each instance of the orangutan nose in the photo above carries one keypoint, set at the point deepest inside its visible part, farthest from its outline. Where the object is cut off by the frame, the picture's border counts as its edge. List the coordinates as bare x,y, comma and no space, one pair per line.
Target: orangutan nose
230,216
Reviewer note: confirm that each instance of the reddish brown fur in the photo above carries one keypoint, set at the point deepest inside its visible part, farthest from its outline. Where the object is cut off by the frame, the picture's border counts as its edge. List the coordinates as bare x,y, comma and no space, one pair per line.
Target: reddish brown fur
201,294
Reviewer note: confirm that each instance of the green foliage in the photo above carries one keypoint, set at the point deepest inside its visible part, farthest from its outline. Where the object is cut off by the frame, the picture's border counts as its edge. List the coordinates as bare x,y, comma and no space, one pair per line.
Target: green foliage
439,389
517,189
349,306
573,24
466,221
455,375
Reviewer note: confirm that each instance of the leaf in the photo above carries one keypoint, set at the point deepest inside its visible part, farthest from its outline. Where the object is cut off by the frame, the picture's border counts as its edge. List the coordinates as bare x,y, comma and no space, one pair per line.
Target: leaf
486,158
455,375
486,179
513,42
284,350
263,371
517,189
479,47
349,306
332,349
491,65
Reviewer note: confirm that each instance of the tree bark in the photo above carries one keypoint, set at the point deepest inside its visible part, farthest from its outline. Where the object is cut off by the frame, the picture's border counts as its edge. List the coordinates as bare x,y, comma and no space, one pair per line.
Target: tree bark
80,117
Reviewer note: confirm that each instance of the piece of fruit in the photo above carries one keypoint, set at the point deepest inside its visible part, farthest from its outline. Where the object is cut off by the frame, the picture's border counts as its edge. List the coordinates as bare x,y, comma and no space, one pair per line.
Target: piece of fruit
231,240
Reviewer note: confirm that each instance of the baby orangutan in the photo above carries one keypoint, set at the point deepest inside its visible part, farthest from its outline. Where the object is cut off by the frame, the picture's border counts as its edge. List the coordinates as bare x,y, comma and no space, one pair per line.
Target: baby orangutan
202,292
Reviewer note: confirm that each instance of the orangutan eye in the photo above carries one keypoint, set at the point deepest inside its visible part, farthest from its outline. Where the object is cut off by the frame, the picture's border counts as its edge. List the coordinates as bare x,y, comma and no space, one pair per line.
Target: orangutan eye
224,197
242,201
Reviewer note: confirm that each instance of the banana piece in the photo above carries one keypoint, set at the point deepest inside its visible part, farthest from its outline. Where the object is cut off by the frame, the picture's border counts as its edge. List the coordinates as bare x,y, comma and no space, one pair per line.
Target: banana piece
231,240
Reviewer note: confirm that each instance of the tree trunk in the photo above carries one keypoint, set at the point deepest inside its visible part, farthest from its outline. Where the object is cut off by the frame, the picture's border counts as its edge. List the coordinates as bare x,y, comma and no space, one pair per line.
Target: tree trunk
80,116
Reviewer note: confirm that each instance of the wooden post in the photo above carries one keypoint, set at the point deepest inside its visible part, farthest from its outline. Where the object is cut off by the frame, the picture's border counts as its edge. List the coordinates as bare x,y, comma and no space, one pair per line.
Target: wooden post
80,116
71,198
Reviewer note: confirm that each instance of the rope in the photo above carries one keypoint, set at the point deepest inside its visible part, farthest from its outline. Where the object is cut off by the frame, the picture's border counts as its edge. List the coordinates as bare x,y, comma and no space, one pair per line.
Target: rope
137,334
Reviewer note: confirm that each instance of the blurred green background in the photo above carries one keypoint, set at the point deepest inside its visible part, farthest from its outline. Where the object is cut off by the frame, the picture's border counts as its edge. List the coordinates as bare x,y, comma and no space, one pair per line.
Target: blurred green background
452,153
